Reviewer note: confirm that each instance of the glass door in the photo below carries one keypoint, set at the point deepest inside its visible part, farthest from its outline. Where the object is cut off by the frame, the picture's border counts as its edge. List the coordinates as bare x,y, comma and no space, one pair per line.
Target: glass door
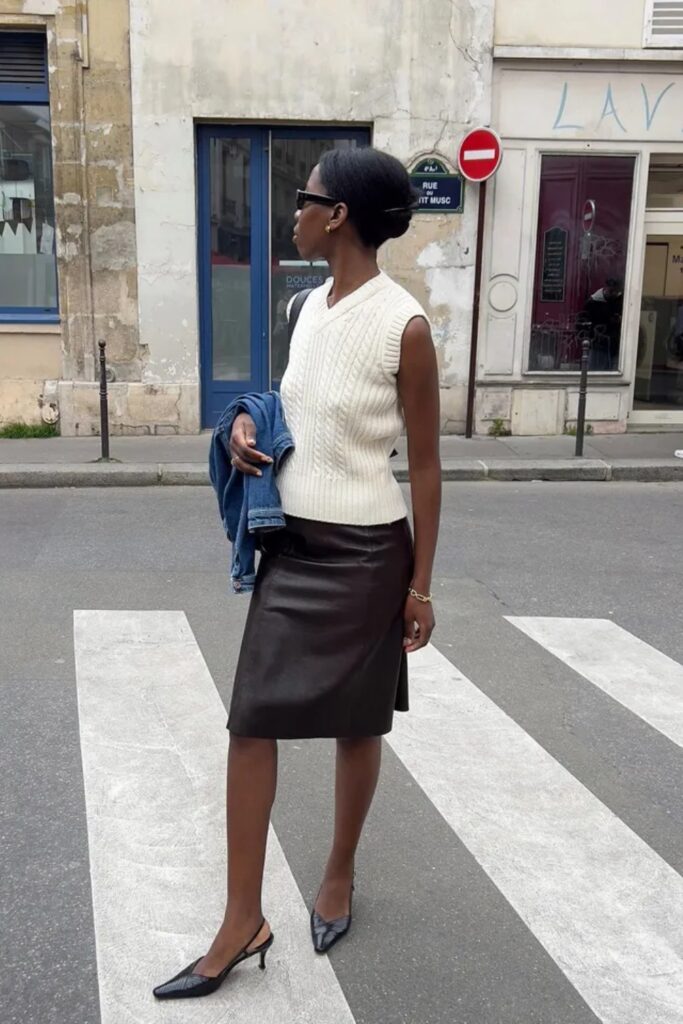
248,265
293,155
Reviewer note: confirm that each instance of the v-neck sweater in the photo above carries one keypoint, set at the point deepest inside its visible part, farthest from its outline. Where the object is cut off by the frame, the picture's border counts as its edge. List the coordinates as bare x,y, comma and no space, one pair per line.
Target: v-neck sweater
341,403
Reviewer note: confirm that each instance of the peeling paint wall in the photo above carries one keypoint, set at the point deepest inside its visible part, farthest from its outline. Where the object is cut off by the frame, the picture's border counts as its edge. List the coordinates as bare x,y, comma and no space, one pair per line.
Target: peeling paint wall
90,108
418,72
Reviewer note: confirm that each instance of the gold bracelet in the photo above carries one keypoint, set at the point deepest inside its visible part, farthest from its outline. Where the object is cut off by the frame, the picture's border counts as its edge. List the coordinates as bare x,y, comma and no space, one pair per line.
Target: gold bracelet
423,598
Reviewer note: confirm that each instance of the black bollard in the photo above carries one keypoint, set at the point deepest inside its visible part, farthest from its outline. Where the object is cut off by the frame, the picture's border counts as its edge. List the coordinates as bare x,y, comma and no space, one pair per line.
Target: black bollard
104,404
583,391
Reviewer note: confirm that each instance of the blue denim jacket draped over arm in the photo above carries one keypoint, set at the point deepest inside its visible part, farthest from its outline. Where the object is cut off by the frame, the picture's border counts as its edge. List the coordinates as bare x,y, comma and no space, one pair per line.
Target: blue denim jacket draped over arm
249,504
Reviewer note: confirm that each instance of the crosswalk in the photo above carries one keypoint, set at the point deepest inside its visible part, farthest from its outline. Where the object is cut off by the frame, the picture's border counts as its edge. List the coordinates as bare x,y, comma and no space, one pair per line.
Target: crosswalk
153,742
606,908
641,678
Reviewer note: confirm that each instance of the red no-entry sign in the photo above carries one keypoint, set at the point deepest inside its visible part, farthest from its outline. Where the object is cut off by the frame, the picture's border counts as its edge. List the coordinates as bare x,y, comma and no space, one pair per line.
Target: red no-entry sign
480,154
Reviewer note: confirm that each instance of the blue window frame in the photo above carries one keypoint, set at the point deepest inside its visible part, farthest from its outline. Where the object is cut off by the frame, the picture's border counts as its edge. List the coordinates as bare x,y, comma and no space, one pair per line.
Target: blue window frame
28,266
248,268
249,326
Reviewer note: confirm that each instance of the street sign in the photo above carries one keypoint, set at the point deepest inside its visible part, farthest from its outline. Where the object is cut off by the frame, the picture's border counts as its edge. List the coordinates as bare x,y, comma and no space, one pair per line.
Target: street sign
479,154
438,193
589,211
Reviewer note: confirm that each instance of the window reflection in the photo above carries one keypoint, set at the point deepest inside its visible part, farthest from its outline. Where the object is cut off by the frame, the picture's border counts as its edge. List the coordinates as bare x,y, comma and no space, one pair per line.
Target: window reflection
28,273
292,162
231,258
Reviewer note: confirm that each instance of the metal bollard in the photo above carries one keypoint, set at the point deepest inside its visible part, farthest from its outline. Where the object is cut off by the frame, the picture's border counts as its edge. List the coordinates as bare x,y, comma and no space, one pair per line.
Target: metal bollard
583,391
104,404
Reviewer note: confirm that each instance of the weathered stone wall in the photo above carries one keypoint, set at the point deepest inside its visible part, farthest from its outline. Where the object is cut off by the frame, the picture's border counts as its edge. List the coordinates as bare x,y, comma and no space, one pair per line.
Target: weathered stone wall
89,74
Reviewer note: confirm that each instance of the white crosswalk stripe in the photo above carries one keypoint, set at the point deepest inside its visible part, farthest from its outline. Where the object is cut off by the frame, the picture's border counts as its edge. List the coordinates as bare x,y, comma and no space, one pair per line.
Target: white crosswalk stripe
641,678
153,742
605,906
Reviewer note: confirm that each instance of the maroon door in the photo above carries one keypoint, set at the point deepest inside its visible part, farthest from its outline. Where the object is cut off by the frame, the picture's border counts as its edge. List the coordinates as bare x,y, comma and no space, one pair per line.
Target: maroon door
572,265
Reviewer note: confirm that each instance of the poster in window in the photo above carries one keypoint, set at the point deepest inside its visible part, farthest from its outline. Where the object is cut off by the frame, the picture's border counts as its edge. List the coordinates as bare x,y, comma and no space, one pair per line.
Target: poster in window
554,274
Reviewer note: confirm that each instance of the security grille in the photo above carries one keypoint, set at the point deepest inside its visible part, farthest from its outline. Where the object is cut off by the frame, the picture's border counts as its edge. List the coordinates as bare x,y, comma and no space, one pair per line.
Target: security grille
664,23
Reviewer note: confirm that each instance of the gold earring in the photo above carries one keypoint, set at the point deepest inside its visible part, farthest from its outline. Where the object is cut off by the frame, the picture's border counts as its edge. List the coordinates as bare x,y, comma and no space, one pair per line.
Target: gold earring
328,229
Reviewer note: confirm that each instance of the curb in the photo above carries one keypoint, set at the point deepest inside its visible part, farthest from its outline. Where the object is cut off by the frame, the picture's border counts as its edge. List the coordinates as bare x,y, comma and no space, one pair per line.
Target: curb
540,469
652,471
190,474
79,475
183,474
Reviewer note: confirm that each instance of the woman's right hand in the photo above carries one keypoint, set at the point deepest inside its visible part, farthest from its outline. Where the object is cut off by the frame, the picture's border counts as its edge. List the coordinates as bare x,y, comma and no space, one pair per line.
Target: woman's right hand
245,457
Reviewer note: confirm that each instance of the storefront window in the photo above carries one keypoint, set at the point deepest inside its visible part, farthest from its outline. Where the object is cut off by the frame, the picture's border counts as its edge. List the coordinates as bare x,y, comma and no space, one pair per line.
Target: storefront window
28,274
583,230
665,188
659,367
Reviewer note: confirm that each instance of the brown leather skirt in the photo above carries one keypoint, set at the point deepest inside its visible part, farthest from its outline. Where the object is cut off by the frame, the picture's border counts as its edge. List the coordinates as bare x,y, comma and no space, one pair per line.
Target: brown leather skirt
322,652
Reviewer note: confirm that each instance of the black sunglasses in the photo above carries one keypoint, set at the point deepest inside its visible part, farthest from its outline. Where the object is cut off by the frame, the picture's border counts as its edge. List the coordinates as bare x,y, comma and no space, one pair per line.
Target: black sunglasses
313,197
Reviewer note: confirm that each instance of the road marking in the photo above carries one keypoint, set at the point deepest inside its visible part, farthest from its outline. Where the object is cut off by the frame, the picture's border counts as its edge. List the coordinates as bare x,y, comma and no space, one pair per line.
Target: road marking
479,154
154,743
604,905
636,675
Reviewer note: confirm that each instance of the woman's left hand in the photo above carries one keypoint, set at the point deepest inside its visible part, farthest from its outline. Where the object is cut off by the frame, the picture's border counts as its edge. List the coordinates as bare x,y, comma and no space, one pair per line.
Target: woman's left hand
419,624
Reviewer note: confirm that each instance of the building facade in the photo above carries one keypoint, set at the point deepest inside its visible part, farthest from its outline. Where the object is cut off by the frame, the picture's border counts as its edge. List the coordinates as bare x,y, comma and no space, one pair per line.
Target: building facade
163,224
232,107
149,155
584,234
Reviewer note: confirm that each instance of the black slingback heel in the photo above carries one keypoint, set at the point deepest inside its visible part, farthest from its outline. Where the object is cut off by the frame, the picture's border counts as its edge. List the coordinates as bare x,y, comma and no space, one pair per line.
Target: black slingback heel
188,985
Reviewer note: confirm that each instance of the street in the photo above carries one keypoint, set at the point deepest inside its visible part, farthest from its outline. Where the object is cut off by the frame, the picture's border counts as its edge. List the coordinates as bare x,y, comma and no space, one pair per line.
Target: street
522,861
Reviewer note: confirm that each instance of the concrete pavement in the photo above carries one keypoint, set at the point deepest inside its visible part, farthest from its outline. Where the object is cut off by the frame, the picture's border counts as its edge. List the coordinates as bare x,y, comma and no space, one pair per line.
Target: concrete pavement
148,461
522,860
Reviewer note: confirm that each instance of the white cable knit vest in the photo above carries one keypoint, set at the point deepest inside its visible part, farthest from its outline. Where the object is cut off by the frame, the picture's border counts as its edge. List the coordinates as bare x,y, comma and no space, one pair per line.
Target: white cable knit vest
341,403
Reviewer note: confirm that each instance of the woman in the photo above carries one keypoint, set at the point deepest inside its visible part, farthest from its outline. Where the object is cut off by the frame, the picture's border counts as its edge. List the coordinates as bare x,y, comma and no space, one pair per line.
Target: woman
341,595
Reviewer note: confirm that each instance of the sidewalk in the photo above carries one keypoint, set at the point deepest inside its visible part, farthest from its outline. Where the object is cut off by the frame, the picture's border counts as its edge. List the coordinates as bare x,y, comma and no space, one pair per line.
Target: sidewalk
72,462
146,461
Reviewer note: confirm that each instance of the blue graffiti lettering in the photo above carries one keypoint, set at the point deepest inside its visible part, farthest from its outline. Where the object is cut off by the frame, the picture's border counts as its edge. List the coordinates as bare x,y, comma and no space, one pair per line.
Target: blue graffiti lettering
651,113
609,109
558,126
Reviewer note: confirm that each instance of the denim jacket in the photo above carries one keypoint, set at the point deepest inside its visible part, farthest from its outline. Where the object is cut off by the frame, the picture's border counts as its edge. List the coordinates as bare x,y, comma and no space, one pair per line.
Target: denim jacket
248,504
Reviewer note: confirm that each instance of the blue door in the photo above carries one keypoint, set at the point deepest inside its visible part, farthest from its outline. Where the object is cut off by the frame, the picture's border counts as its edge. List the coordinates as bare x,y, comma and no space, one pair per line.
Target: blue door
248,265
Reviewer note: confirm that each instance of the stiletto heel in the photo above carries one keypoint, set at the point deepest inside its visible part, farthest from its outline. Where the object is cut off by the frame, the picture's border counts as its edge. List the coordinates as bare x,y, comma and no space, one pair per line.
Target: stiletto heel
188,985
263,950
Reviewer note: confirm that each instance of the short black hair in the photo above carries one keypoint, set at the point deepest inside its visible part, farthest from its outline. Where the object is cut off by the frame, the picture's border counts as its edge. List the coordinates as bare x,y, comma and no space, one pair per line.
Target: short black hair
376,189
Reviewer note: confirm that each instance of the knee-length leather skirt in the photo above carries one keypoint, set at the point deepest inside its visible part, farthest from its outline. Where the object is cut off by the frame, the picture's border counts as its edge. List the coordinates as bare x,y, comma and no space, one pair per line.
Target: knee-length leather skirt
322,652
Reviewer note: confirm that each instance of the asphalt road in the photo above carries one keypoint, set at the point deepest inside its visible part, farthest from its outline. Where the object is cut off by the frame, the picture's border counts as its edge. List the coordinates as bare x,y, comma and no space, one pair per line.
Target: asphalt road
452,926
